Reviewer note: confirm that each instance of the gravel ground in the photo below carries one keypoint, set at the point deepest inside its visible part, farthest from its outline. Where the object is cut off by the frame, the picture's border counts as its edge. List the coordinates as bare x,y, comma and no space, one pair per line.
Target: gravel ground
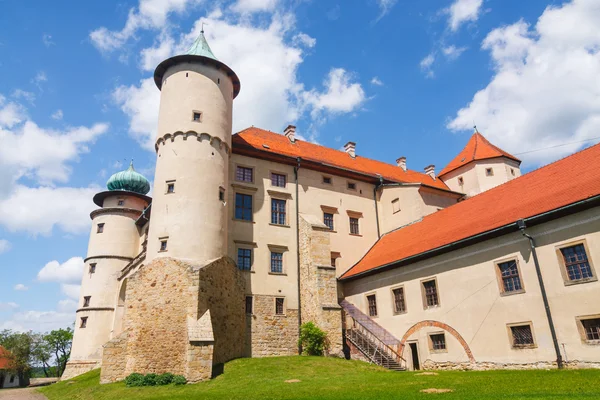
21,394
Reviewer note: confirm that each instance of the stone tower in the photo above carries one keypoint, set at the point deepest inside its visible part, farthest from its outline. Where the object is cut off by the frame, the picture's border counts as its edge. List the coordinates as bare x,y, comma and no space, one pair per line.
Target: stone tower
193,146
115,240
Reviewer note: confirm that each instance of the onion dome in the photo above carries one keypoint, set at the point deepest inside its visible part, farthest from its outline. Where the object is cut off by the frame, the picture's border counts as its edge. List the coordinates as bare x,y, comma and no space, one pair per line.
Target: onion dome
129,180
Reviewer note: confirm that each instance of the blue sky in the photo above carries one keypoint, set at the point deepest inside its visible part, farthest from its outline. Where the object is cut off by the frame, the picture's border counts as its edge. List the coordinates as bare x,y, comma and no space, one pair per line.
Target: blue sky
399,77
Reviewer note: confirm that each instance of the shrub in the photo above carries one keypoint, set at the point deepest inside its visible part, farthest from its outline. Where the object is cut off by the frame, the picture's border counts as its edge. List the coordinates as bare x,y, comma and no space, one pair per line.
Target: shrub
164,379
135,379
179,380
150,380
312,339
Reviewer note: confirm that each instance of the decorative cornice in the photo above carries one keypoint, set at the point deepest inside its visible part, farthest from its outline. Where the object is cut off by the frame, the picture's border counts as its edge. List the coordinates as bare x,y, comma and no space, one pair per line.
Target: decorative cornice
199,137
115,210
96,309
106,256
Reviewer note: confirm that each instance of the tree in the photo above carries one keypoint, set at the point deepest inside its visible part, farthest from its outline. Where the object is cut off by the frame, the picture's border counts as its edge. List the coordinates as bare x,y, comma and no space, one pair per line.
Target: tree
42,354
59,342
19,345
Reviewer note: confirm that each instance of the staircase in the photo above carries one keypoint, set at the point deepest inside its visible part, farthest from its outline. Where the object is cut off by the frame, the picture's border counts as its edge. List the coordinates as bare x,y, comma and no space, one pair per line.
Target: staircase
371,339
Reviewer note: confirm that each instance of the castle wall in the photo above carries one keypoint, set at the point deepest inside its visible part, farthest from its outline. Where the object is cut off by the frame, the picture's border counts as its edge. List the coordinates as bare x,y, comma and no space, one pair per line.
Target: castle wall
475,314
475,179
271,334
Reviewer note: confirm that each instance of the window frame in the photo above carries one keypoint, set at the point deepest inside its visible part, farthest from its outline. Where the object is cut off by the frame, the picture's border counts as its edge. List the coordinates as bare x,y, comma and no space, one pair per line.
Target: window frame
272,252
251,257
355,219
563,265
500,278
280,174
120,202
92,268
245,167
201,114
394,310
100,227
83,322
349,184
278,213
86,301
325,219
461,181
222,194
583,333
235,207
396,205
368,308
430,341
163,240
168,184
424,294
511,338
325,178
489,171
283,306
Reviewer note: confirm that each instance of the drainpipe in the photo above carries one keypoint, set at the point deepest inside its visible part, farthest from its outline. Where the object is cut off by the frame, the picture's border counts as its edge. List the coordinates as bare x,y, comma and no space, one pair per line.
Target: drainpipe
380,183
296,168
522,226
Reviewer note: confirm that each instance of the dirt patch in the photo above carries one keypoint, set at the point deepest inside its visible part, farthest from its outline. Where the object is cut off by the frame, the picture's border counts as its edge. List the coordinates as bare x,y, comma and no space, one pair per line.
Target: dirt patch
427,373
432,390
21,394
293,381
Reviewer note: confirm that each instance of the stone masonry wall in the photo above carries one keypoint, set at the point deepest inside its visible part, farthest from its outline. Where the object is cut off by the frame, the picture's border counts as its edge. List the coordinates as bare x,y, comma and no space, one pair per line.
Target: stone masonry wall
270,334
76,368
163,298
318,285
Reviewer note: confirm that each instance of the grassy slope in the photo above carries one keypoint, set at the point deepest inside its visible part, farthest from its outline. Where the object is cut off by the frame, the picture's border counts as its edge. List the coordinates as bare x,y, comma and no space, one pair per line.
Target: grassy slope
323,378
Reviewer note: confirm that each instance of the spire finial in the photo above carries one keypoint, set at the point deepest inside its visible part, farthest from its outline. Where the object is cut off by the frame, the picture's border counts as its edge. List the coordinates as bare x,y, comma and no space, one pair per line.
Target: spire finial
475,128
202,28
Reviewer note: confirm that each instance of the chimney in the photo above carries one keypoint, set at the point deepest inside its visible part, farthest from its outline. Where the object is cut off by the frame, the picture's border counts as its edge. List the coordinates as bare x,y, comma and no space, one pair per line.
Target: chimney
350,148
402,163
430,170
290,133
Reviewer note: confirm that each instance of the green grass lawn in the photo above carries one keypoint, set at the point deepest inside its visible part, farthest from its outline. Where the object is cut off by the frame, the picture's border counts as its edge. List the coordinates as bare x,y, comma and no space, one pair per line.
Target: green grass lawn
326,378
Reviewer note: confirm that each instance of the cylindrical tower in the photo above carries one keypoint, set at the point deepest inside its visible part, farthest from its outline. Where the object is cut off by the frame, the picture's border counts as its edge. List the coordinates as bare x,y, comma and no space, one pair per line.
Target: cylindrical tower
193,145
114,242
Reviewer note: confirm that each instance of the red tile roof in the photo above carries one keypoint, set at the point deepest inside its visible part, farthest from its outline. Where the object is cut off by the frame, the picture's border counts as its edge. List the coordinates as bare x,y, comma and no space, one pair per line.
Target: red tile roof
5,359
279,144
567,181
478,148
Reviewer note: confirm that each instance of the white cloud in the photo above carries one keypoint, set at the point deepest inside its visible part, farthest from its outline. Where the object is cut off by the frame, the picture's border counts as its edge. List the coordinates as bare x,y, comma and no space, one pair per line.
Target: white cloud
10,113
39,210
57,115
462,11
70,290
4,246
20,287
545,88
24,95
452,52
341,94
303,39
47,40
252,6
426,65
38,79
8,306
67,306
152,56
38,321
385,6
150,14
68,272
376,81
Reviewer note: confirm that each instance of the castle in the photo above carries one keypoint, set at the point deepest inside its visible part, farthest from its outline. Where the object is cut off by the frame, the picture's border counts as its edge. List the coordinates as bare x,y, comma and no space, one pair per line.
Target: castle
247,236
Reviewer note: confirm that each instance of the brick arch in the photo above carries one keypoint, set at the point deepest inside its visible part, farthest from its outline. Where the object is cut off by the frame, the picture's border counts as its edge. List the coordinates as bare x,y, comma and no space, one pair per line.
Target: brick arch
430,323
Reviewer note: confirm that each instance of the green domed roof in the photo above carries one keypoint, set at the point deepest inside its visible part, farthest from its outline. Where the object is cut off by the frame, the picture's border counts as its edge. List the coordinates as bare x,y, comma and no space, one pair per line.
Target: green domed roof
129,180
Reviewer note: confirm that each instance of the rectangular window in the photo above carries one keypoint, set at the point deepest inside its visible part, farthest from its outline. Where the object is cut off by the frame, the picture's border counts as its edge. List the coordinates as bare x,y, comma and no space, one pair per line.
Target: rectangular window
171,187
327,180
591,328
244,259
438,342
461,181
399,302
328,220
333,262
83,323
100,228
509,272
395,205
522,336
86,301
430,294
279,305
244,174
121,202
248,304
372,304
489,172
163,244
351,185
196,116
278,180
276,262
221,194
354,226
278,211
92,268
577,264
243,206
